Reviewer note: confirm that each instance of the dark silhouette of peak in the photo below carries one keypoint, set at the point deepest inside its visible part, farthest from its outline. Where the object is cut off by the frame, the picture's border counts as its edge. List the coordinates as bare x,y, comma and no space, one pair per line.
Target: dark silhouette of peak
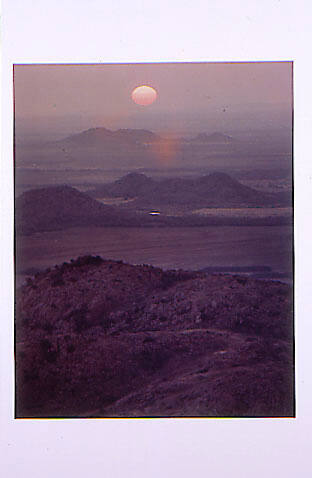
63,196
91,134
138,135
212,138
214,190
129,186
134,179
59,207
218,179
98,136
222,190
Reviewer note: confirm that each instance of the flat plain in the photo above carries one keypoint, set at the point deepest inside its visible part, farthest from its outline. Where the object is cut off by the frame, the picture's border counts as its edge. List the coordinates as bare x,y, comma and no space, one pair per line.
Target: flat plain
189,248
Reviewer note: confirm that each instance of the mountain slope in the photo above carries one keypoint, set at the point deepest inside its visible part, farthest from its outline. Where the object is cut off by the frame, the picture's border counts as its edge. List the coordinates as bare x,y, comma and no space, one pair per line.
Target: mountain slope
128,186
213,190
57,207
102,338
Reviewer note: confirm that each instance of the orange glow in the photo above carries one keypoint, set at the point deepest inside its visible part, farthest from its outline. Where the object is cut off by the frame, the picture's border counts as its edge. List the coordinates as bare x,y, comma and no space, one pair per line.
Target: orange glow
166,150
144,95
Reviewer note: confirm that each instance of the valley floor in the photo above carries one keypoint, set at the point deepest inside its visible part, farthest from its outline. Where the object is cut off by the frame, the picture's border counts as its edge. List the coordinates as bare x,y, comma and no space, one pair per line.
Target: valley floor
190,248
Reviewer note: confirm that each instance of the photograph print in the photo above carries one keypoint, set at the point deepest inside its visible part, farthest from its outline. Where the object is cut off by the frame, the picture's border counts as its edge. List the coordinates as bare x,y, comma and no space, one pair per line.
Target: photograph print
154,240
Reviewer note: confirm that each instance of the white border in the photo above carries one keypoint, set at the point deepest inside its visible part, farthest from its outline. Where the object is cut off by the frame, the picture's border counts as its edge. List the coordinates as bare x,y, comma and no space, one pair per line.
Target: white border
69,31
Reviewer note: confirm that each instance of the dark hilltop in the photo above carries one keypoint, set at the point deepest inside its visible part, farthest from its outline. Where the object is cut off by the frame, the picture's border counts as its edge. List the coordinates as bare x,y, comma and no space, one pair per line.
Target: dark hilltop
59,207
213,190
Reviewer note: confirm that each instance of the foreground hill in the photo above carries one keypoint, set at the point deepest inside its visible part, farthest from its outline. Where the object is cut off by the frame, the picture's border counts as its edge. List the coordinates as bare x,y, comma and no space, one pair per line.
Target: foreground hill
102,338
213,190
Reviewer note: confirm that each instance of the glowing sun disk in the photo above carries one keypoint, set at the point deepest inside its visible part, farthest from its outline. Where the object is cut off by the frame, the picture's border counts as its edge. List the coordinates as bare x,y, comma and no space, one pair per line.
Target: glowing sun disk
144,95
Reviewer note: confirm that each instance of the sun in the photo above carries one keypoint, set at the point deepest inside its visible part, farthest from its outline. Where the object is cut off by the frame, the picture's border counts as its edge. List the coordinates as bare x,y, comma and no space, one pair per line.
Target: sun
144,95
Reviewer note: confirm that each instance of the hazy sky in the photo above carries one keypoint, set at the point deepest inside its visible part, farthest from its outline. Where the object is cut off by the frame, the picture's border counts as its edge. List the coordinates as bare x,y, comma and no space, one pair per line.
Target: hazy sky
56,100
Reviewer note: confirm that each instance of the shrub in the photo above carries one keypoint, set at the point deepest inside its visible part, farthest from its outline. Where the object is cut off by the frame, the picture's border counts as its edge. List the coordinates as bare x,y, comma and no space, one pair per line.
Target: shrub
48,353
151,360
87,261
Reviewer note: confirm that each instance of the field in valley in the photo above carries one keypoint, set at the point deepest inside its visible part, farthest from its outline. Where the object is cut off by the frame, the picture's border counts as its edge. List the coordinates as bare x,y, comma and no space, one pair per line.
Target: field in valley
253,212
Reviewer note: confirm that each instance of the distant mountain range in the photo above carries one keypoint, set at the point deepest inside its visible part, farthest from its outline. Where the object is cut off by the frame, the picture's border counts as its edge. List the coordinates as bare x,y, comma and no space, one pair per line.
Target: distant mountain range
101,136
213,190
132,149
212,138
98,136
